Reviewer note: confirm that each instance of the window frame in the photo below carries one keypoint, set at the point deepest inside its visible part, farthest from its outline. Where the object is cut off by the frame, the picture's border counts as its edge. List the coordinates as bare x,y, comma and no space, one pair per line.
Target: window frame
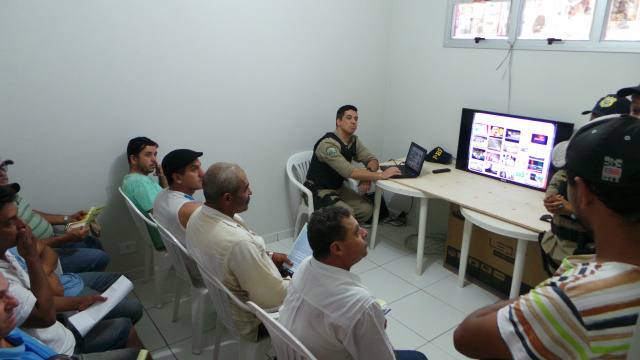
596,42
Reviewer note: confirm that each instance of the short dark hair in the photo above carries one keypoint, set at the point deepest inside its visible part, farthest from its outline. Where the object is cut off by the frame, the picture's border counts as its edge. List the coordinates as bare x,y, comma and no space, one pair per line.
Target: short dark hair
343,109
325,227
7,195
181,170
618,200
138,144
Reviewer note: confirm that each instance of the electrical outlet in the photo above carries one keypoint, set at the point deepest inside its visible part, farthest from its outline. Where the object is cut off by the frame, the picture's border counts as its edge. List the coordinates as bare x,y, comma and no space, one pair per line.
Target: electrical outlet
127,248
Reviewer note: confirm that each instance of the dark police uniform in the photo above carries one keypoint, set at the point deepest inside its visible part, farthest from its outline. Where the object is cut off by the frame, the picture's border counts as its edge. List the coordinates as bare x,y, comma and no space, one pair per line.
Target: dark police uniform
330,166
567,236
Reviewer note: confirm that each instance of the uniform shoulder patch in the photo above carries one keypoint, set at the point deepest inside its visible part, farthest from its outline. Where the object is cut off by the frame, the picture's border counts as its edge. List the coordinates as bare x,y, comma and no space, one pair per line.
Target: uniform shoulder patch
331,151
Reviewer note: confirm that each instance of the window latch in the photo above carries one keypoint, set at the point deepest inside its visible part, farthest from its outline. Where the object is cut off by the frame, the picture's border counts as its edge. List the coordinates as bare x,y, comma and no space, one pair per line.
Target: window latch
477,39
551,40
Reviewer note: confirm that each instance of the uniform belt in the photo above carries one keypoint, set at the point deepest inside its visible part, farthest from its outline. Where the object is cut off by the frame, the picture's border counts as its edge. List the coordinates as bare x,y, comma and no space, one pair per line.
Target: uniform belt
580,237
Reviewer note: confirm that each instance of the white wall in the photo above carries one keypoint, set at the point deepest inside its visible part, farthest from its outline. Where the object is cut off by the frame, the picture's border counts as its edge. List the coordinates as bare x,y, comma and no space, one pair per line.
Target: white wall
249,82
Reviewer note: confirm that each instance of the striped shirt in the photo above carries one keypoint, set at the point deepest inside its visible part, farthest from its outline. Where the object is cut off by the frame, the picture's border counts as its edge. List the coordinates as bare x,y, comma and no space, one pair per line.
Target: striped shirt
589,311
40,227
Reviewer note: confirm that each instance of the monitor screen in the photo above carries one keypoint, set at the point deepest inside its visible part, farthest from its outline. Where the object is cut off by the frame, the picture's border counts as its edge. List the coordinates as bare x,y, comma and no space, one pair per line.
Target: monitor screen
510,148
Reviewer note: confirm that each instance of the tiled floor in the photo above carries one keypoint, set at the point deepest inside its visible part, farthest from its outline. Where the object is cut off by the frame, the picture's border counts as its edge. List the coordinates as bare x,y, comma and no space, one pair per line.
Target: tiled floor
425,309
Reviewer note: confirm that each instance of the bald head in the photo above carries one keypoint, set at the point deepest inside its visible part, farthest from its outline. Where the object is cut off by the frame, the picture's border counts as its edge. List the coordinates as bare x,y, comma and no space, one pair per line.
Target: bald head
221,178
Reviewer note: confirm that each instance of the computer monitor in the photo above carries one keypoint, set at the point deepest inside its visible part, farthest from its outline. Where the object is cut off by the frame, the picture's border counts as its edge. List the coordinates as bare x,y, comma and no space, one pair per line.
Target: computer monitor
511,148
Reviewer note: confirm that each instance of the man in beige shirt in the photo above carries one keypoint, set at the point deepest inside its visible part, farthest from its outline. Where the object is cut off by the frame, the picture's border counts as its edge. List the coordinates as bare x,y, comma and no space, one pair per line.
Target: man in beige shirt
219,240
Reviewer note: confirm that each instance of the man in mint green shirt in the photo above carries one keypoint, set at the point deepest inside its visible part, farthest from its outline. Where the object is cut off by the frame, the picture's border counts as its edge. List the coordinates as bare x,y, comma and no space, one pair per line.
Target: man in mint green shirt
142,155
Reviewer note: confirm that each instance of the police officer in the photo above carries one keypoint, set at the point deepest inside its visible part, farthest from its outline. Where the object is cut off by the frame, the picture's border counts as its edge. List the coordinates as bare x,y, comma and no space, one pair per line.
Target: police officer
331,165
568,236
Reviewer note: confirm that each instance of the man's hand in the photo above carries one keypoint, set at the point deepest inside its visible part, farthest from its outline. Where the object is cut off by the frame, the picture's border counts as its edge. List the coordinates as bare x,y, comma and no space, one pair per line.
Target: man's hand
88,300
158,171
77,234
77,216
557,205
392,171
27,244
365,186
279,258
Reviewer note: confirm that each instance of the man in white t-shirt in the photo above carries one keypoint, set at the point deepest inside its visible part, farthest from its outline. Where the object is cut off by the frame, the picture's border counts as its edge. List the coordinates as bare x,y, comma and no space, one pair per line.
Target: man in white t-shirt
327,307
174,205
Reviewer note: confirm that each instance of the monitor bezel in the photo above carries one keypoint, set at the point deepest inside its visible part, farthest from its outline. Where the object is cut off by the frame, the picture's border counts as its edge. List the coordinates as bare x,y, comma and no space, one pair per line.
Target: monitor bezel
564,131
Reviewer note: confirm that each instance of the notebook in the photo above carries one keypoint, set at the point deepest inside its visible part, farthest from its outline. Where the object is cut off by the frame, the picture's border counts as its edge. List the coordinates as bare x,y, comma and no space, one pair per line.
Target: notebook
413,164
301,250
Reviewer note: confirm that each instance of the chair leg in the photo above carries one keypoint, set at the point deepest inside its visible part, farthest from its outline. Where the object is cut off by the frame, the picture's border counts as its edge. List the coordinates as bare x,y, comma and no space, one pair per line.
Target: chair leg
218,338
161,267
298,226
176,298
147,262
198,297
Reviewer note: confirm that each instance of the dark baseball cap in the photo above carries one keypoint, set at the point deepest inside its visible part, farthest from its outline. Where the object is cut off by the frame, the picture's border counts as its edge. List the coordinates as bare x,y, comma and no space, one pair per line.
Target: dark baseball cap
610,104
628,91
605,152
177,159
5,162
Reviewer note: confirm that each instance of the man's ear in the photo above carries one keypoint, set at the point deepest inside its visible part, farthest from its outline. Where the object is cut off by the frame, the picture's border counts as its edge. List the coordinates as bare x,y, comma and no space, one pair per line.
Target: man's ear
177,178
585,196
335,248
226,198
133,159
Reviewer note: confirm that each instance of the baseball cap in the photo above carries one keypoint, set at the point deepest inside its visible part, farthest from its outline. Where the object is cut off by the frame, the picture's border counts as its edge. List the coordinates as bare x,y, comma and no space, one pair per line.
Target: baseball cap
610,104
628,91
605,152
5,162
177,159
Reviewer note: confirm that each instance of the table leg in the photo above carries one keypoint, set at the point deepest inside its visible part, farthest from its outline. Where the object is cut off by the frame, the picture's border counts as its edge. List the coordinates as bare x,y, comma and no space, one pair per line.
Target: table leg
518,266
376,216
422,225
464,251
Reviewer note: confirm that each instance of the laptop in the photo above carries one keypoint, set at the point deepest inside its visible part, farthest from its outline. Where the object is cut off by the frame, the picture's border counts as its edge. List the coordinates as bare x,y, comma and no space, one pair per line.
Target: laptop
413,164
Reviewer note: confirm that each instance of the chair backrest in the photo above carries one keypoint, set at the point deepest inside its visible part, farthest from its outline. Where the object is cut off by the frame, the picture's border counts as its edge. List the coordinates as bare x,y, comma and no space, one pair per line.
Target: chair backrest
177,253
139,219
297,168
286,345
222,298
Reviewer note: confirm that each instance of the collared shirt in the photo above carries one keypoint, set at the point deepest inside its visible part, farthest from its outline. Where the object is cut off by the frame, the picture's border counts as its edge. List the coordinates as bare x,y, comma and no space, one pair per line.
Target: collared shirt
237,256
328,151
57,337
26,347
587,311
334,315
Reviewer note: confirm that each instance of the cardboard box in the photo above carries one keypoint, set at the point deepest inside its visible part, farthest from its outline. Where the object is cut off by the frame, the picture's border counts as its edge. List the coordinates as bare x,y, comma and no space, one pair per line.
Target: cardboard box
491,258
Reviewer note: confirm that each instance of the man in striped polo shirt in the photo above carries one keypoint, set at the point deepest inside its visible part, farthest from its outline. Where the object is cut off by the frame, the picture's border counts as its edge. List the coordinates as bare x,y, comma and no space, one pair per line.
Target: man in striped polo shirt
590,308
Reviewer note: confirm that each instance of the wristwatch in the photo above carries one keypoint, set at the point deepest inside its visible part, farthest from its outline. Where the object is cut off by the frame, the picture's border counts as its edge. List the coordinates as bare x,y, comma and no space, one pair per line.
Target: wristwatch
370,169
66,219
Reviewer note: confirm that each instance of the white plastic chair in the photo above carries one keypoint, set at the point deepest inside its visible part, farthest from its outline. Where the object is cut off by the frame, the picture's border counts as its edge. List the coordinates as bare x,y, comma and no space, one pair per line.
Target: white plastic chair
161,262
286,345
179,256
297,168
222,298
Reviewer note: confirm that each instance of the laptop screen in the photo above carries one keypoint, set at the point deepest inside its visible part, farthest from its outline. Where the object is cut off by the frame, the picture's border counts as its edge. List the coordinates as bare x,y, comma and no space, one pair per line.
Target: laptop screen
415,157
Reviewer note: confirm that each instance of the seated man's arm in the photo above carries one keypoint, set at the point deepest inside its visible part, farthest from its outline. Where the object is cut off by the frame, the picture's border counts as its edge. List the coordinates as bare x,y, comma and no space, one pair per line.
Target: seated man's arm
478,336
43,312
329,152
76,303
72,235
184,214
257,275
59,219
49,260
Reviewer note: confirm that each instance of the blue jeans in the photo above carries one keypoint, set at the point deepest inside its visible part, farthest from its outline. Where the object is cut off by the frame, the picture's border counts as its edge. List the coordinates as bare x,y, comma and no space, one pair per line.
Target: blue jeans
84,256
99,282
409,355
106,335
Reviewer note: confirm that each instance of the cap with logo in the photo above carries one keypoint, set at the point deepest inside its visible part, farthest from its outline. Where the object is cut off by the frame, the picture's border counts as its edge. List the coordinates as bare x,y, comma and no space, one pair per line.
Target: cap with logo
628,91
610,104
177,159
606,152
